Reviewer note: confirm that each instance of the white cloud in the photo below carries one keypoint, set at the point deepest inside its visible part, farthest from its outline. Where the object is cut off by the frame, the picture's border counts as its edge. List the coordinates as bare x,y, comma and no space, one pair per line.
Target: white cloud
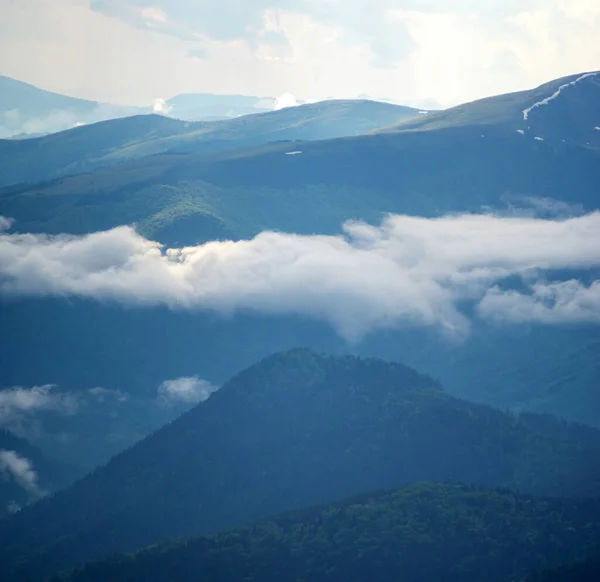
20,407
549,303
14,466
285,100
189,390
408,270
18,400
161,107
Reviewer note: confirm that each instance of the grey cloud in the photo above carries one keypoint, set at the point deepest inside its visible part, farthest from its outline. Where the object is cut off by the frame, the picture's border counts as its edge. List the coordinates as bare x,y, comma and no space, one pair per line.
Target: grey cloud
548,303
147,17
102,395
19,400
539,207
187,390
408,270
363,21
14,466
188,19
20,407
5,223
13,507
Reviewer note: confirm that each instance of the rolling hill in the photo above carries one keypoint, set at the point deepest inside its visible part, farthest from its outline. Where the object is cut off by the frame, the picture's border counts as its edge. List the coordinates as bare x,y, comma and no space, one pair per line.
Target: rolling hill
328,182
188,181
565,110
26,109
423,533
296,429
86,148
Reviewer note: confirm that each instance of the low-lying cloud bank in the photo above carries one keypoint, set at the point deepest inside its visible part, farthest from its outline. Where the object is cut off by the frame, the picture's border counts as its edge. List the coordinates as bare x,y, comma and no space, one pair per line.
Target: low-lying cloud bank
408,270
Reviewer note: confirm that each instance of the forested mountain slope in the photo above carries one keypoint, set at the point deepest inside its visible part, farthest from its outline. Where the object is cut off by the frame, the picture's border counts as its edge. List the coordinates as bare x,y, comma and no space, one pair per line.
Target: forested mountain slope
295,430
424,533
588,571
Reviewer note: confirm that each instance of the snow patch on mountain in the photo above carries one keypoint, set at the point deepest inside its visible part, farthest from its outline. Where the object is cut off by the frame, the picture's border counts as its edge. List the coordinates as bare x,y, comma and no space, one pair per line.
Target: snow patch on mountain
554,95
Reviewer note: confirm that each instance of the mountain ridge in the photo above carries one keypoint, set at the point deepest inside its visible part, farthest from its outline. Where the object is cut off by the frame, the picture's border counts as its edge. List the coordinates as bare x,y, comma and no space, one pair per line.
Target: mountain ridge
296,429
525,112
423,532
106,143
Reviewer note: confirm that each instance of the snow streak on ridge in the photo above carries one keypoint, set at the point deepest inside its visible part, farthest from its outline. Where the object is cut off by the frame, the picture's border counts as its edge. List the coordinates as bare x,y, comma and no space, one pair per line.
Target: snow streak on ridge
547,100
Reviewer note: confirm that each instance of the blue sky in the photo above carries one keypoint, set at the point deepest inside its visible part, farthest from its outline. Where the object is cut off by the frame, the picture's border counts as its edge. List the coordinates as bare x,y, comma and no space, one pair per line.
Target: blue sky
420,52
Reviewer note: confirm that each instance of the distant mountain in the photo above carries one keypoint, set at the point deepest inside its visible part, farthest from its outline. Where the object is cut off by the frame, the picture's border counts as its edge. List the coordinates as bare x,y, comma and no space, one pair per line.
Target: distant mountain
26,474
210,193
25,109
565,110
424,533
296,429
29,110
207,106
80,149
103,144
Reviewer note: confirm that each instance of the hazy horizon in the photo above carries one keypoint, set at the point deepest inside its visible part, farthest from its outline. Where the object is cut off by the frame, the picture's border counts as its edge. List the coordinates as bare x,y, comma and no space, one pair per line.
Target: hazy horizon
415,52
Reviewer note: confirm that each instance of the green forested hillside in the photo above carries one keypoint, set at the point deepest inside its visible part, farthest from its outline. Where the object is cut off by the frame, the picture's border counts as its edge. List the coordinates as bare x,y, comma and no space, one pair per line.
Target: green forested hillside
424,533
588,571
295,430
424,173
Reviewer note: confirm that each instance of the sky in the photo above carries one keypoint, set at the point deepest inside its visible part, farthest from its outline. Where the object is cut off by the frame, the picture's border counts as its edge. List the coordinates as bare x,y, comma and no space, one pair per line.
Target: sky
425,53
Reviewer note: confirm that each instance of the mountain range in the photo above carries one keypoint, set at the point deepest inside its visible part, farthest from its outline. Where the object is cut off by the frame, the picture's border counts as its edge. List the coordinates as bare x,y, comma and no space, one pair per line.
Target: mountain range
185,184
28,111
86,148
295,430
151,266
